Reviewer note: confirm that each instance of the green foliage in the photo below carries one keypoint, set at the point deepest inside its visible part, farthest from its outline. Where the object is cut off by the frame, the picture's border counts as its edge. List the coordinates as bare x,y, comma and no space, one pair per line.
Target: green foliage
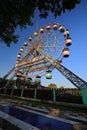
14,13
61,87
56,7
52,86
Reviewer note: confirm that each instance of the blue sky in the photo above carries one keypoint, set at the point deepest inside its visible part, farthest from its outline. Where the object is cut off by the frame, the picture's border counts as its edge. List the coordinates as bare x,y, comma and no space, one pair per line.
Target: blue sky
76,22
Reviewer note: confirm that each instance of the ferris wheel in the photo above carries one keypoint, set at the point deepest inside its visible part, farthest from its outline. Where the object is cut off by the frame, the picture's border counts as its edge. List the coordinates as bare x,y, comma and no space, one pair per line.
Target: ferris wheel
41,53
52,40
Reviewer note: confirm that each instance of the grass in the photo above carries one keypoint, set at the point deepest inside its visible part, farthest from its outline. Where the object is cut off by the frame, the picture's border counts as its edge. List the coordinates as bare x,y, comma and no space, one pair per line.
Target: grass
48,104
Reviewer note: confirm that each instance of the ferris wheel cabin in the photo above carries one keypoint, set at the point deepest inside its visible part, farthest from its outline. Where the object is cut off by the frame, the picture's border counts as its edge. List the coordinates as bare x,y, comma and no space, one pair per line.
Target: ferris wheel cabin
41,30
21,49
68,42
35,34
61,28
48,74
25,43
19,55
55,26
65,52
30,38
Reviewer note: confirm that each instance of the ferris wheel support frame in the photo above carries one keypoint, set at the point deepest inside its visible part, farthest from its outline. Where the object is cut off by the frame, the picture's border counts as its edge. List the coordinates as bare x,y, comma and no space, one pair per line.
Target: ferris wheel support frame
73,78
44,44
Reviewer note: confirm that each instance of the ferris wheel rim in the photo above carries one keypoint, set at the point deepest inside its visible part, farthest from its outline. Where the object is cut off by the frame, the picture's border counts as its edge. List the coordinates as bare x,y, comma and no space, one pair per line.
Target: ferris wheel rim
43,39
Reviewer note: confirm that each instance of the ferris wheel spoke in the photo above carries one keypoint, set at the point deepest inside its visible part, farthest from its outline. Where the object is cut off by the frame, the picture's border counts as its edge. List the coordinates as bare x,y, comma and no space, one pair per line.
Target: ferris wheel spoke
53,40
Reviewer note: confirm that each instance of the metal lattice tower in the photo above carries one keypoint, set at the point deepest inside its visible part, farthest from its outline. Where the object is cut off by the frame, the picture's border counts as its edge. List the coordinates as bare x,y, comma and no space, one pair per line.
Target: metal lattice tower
73,78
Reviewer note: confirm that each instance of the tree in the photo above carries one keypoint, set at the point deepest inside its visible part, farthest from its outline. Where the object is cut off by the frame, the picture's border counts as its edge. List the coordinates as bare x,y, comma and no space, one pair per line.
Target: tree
52,86
61,87
14,13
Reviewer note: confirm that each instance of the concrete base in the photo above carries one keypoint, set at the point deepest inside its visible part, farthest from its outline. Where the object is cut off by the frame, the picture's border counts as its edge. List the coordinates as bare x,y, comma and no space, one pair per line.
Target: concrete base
79,127
16,122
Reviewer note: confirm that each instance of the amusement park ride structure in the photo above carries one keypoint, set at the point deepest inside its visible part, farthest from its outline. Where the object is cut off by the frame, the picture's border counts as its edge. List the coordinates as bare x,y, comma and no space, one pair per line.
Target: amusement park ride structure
43,52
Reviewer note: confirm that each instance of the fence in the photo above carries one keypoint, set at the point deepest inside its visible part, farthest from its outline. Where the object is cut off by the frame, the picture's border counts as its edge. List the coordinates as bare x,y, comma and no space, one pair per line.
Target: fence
46,94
